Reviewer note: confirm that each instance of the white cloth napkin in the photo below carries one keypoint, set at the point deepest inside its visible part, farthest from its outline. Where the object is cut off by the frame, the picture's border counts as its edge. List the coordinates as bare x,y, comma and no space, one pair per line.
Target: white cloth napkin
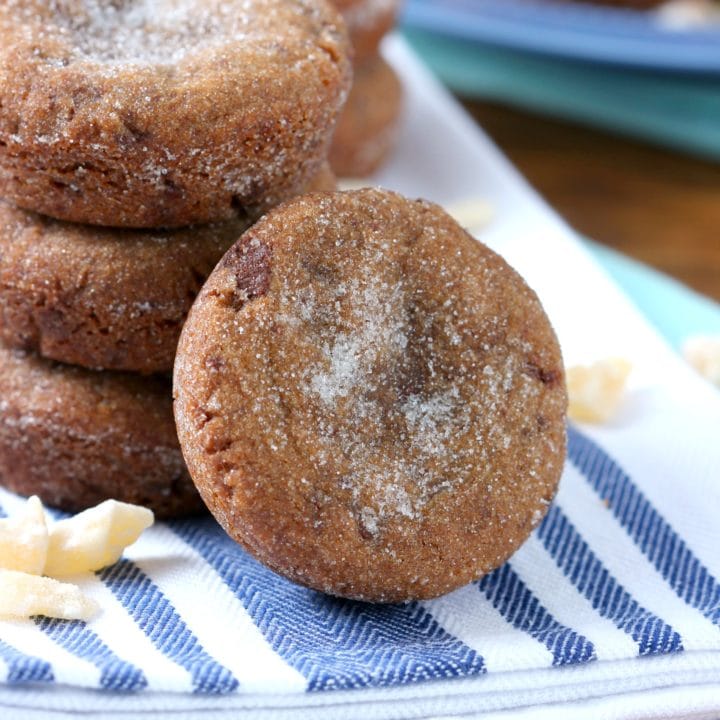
610,610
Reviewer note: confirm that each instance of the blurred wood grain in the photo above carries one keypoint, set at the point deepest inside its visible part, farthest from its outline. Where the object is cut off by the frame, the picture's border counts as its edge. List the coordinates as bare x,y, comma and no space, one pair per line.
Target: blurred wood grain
655,205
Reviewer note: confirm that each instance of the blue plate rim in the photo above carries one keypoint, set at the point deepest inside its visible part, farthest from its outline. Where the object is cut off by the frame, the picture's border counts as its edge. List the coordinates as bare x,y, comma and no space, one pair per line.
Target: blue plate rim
588,33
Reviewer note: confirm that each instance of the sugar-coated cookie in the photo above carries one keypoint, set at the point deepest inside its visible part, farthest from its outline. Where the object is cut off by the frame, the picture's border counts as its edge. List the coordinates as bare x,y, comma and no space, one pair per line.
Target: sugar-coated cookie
368,126
77,437
368,21
166,113
105,298
369,400
102,298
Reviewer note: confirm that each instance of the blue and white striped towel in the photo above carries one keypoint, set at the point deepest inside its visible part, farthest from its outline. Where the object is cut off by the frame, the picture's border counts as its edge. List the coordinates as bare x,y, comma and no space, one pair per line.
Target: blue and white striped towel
610,610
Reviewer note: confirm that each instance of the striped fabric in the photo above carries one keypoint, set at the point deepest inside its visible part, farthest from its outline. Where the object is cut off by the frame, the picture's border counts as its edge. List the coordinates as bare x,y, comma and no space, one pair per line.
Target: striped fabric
615,595
338,644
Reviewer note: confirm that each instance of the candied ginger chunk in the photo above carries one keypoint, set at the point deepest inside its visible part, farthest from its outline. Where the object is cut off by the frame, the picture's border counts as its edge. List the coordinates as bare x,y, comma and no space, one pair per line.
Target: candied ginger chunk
94,538
703,353
596,391
472,213
24,539
23,595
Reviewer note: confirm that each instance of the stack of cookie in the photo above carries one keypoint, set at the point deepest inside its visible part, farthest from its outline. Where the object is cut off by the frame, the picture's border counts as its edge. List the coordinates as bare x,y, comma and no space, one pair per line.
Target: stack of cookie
116,119
367,128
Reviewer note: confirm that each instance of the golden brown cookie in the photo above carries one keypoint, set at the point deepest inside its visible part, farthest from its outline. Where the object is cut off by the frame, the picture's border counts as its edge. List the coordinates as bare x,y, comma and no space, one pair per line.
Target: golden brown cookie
370,401
367,129
77,437
368,21
324,180
102,298
169,113
105,298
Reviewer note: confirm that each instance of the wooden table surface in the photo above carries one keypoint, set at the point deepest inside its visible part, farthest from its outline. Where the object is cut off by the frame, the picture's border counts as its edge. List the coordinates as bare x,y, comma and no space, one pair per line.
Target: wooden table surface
655,205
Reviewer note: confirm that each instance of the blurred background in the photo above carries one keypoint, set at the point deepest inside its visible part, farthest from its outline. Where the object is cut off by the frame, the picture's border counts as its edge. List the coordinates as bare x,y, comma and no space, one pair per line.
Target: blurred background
610,109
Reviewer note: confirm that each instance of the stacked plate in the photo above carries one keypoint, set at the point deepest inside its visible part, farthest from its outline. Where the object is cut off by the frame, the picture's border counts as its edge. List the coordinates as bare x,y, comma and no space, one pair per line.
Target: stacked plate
650,73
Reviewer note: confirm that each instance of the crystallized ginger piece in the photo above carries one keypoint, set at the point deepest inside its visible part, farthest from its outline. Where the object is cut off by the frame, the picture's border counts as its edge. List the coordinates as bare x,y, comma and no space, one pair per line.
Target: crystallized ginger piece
595,391
94,538
24,539
23,595
473,214
703,353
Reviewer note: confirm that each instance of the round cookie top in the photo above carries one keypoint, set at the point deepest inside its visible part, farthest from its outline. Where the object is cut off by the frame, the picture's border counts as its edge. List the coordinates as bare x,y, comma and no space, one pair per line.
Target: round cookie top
369,400
118,34
164,113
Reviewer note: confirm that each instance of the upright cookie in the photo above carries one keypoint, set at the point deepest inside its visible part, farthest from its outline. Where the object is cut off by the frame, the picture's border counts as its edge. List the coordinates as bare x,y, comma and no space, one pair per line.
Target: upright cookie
370,401
168,113
367,129
76,437
105,298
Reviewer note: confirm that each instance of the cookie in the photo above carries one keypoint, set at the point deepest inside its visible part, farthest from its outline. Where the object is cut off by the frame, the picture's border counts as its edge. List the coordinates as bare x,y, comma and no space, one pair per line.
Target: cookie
77,437
102,298
370,401
367,129
324,180
368,21
105,298
168,113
